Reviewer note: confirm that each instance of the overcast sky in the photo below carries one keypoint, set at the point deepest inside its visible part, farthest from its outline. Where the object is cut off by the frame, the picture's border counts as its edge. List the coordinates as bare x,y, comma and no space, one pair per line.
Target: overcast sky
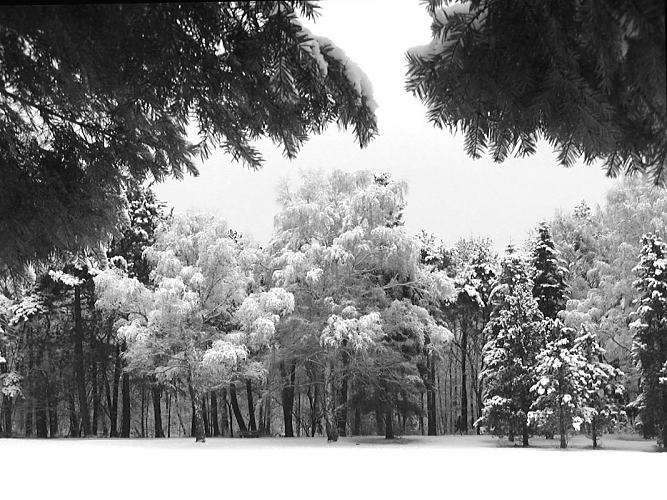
449,194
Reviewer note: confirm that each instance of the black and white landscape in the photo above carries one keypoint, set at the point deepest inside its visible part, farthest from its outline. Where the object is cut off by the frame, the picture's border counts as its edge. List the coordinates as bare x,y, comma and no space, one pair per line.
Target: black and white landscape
325,249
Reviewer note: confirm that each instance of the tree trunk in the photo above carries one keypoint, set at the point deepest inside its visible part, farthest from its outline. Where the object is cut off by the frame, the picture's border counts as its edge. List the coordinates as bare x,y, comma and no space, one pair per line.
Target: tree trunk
74,429
214,414
205,420
235,408
168,414
125,417
200,436
341,417
329,402
464,379
287,396
96,398
251,406
525,431
356,428
432,417
594,432
41,416
53,411
561,427
79,372
388,423
225,413
113,408
157,412
6,407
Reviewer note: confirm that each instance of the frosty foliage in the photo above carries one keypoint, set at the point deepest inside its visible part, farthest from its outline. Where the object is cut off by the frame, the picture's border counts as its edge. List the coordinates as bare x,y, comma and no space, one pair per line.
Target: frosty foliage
359,333
177,328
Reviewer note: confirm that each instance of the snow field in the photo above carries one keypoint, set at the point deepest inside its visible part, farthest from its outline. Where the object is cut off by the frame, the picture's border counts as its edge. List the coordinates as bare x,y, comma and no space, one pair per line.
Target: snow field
409,468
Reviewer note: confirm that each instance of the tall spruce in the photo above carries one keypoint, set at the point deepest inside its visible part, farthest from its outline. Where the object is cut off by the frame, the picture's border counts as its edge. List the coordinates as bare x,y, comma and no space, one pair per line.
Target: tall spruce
650,335
516,336
549,286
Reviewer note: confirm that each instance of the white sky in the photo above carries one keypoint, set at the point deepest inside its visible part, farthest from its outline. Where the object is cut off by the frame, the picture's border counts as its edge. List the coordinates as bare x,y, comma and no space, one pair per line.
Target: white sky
449,194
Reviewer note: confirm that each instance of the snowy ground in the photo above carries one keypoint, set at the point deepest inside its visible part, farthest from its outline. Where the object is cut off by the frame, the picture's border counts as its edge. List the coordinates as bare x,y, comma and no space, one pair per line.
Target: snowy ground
463,466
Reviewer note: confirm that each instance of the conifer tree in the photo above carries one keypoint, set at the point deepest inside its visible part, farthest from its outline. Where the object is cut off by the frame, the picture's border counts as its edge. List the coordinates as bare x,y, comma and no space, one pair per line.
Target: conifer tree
94,96
650,334
516,335
601,383
586,76
559,387
549,287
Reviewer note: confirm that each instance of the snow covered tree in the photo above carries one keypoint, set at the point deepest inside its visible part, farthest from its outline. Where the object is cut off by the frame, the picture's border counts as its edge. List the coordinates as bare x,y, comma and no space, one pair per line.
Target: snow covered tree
650,334
516,336
126,250
185,328
589,77
549,287
97,95
339,244
559,388
475,275
574,385
602,386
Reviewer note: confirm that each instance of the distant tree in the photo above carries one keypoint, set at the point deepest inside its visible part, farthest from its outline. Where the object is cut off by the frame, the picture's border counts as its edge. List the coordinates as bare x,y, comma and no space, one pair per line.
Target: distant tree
588,77
340,249
549,286
650,335
94,96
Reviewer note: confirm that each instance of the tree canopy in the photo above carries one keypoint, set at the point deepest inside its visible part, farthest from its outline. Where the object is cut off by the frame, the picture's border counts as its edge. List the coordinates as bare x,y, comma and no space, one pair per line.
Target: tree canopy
93,96
587,76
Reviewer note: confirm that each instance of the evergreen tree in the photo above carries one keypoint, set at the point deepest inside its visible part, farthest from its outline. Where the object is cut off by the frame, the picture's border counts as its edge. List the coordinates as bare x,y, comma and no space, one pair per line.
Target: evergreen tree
602,387
516,335
558,388
549,287
97,95
650,334
587,76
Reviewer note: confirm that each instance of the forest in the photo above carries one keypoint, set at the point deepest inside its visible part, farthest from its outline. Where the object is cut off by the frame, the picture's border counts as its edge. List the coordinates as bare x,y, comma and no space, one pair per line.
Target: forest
123,317
344,324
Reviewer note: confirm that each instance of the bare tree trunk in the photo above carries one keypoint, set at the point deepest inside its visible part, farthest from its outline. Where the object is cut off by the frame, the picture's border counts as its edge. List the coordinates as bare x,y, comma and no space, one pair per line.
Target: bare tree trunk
235,408
225,413
287,396
464,380
74,428
251,406
341,418
388,422
329,402
79,372
214,414
356,428
157,411
113,408
432,417
168,414
200,436
205,421
96,398
53,411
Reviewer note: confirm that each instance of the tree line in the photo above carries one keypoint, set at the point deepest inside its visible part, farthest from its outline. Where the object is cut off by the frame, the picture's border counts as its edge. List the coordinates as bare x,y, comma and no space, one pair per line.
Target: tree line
343,324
